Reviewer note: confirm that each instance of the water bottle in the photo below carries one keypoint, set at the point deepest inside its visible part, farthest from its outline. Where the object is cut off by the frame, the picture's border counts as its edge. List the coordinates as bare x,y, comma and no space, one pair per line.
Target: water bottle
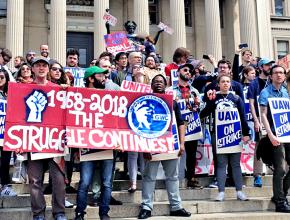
17,169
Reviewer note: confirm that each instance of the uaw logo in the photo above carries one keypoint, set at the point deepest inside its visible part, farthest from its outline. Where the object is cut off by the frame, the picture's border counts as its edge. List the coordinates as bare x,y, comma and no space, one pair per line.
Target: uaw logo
149,116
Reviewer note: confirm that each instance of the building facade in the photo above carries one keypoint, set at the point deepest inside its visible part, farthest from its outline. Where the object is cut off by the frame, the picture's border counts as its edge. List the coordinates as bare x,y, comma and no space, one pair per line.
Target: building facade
203,26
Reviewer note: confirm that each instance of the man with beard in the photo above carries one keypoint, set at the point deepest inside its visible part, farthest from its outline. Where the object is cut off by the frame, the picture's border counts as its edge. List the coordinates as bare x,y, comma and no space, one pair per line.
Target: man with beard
44,51
95,78
185,91
254,91
170,167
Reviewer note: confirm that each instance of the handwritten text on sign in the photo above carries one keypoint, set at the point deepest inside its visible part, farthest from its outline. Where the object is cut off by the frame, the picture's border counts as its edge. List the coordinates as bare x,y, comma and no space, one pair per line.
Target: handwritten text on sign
78,74
117,42
228,131
280,110
89,118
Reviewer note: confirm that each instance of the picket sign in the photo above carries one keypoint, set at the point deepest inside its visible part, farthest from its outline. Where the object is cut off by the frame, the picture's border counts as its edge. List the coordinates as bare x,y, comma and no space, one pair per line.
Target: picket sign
228,131
110,19
193,128
167,29
117,42
280,111
3,107
78,74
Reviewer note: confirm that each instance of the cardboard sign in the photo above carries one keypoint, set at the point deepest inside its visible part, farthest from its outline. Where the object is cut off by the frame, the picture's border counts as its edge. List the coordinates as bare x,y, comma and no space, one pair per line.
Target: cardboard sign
117,42
193,128
3,107
248,113
39,118
78,74
174,78
228,131
280,111
167,29
110,19
131,86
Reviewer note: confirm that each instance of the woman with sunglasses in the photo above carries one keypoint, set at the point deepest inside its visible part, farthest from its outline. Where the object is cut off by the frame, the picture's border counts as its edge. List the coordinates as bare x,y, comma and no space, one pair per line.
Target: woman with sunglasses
6,189
24,74
57,75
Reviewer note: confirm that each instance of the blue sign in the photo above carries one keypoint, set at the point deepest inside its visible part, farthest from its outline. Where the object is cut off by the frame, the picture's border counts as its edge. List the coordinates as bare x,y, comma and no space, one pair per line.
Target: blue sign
280,110
193,128
78,74
3,107
149,116
228,130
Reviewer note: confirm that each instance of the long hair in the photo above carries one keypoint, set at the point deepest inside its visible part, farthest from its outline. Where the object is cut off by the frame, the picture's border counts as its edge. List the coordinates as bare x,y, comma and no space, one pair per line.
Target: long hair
5,87
63,77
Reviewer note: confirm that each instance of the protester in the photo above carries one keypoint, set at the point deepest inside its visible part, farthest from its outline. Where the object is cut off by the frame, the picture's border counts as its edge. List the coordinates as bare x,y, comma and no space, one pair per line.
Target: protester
36,168
44,51
151,67
119,74
216,103
57,75
95,79
281,151
5,57
185,91
170,167
254,90
24,74
6,189
18,61
246,61
72,58
29,56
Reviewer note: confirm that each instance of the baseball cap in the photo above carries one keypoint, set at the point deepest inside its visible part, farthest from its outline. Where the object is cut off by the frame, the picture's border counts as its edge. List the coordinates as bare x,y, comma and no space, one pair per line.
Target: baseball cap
264,61
186,65
39,59
94,70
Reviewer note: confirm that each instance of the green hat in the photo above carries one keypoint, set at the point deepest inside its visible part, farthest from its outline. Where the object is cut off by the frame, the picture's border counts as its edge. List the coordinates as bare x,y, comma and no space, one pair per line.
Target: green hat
94,70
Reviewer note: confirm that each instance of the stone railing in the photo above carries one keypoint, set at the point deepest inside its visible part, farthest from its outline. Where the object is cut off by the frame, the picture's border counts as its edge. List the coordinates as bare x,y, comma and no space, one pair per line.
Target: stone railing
76,2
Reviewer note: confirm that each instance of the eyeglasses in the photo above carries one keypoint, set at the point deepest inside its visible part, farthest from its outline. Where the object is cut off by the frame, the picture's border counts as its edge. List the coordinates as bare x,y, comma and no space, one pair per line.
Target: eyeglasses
55,69
2,77
5,59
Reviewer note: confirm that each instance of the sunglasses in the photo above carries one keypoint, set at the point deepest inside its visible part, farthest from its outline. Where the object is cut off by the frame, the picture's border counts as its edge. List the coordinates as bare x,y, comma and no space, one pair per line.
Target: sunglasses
25,68
55,69
2,77
186,70
6,59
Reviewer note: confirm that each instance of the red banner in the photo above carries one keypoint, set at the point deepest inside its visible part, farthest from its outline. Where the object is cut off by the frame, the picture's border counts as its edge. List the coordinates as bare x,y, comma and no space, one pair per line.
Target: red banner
40,117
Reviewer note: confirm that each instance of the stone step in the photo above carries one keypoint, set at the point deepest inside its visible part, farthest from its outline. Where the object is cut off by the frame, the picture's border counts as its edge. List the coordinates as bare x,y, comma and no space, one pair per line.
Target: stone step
160,195
160,184
199,209
266,215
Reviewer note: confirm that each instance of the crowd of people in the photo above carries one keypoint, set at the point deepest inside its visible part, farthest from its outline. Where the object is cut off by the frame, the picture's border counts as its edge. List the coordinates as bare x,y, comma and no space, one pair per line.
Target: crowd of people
256,79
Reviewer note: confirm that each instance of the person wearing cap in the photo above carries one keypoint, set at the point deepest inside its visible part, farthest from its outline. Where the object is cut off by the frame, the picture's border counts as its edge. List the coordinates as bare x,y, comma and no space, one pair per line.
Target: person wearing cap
170,167
29,56
280,151
254,90
36,168
95,78
184,90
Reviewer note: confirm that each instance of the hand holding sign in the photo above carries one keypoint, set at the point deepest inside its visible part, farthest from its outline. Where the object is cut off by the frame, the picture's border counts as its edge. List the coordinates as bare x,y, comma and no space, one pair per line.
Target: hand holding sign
165,28
36,103
211,94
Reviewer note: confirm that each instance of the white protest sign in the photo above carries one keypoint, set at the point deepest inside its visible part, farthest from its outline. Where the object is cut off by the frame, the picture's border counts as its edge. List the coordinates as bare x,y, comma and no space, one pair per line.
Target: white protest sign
78,74
193,128
167,29
110,19
280,111
248,113
228,131
174,78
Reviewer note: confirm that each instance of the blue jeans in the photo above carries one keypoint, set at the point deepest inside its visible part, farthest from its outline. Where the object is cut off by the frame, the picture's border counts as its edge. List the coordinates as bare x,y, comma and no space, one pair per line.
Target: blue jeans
87,170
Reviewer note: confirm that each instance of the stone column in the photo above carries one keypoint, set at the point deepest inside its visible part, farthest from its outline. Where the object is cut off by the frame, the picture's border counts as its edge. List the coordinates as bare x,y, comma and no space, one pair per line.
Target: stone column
100,7
213,29
248,25
14,28
141,16
57,38
264,29
177,23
